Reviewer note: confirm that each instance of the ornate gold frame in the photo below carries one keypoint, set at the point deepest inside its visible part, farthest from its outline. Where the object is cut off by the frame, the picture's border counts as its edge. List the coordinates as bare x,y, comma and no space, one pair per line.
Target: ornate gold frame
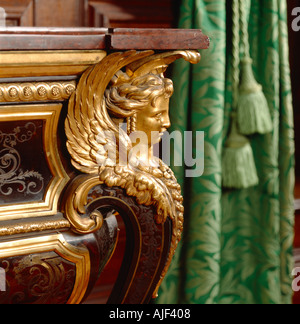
50,114
36,91
56,243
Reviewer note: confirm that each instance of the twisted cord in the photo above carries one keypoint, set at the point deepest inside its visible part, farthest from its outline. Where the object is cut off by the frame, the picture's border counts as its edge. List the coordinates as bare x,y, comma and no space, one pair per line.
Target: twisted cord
244,29
235,52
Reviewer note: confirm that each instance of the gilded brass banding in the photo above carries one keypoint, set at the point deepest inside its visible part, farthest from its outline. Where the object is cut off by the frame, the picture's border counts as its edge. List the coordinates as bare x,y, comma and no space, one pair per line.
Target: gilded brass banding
23,228
36,91
47,63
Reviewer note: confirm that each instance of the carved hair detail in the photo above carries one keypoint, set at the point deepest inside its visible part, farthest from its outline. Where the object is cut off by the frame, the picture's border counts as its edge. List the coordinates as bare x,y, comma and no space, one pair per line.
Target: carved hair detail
124,99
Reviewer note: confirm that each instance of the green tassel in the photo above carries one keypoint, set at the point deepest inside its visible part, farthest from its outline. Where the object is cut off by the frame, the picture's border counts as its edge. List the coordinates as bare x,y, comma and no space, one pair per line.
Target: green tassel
238,166
253,114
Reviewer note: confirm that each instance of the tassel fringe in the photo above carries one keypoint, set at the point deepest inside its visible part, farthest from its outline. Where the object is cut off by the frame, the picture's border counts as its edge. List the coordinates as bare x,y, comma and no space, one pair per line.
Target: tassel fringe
238,166
239,170
253,114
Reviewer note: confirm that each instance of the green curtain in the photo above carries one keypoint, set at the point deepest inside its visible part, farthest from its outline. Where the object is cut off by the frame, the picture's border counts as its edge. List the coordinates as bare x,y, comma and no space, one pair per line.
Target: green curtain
237,244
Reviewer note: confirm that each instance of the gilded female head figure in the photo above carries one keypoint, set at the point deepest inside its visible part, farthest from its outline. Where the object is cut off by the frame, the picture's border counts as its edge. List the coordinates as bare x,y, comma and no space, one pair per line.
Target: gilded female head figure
142,102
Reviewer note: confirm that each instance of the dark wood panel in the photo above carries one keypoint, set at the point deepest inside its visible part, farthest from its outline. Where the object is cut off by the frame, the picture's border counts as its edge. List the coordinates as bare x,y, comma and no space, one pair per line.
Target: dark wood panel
57,13
92,13
19,12
133,13
43,278
108,277
26,178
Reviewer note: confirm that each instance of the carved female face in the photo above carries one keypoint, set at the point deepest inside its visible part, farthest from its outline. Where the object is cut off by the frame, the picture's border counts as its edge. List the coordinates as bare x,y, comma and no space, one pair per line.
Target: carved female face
154,120
143,103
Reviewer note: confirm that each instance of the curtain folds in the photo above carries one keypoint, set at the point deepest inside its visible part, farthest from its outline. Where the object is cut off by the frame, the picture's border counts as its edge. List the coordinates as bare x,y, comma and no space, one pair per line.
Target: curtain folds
237,244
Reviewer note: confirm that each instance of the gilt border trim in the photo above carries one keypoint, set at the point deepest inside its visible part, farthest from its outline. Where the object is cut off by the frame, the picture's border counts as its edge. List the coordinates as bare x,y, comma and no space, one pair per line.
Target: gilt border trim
49,206
57,243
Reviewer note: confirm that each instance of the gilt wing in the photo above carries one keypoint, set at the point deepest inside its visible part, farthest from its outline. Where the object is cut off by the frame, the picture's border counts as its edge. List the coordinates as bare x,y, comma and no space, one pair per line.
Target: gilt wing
88,123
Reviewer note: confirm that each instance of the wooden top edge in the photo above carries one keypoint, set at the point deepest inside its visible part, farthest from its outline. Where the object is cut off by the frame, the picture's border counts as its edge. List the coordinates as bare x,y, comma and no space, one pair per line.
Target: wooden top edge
165,39
152,31
53,31
19,38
